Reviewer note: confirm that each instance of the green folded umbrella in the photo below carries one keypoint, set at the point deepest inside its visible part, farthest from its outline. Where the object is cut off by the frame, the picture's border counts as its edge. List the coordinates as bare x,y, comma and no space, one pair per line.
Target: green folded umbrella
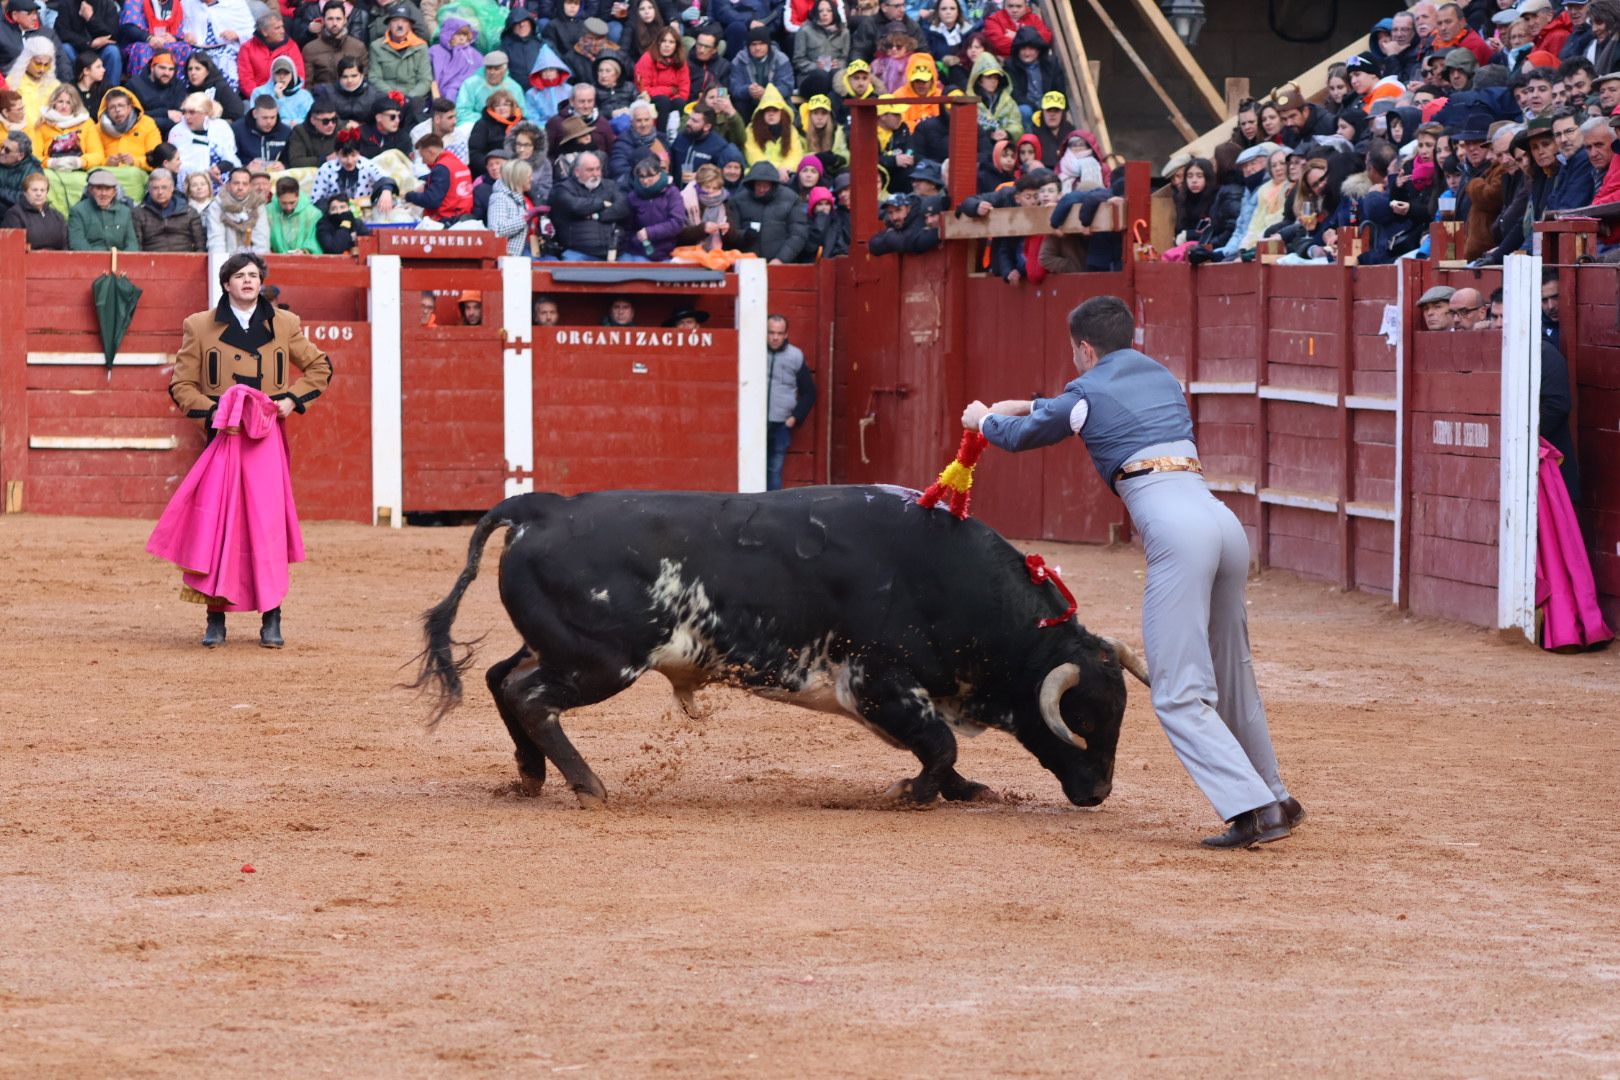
115,296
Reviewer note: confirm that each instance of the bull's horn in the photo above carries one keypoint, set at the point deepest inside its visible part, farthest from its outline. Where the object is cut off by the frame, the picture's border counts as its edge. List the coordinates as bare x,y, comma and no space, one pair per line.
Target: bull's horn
1059,681
1129,660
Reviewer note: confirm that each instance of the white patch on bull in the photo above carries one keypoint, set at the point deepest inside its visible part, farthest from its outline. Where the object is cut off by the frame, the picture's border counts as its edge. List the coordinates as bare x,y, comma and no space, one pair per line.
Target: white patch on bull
599,595
684,656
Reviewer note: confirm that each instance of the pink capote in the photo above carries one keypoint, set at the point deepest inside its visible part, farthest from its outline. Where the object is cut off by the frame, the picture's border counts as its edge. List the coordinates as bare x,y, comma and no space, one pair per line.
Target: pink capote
232,527
1565,591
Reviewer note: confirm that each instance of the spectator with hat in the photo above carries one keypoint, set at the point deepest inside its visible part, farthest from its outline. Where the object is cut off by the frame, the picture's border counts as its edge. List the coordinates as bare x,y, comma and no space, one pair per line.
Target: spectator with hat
1485,166
1435,307
905,229
386,131
592,44
1301,120
1548,31
686,317
1052,127
474,92
495,162
400,62
470,303
760,67
1362,75
1607,89
1580,31
835,231
101,220
1460,66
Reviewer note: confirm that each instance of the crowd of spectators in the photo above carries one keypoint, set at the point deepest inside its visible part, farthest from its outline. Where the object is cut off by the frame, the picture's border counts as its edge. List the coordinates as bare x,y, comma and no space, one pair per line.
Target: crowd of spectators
575,129
1489,114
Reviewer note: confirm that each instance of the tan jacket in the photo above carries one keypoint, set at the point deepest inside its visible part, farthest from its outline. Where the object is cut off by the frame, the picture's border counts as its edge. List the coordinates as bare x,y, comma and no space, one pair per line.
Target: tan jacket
272,355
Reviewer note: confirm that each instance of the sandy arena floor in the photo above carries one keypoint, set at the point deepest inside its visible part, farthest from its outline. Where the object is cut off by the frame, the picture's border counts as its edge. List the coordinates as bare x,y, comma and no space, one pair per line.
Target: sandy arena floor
749,906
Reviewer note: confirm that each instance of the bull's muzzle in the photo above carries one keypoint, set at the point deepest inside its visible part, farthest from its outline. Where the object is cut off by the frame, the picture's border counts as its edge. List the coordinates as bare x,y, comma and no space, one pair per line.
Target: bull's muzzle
1059,681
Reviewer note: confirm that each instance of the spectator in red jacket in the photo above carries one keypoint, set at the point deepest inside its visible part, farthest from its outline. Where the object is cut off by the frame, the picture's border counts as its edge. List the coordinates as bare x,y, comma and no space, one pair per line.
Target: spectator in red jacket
661,72
1451,32
1001,26
269,41
1548,32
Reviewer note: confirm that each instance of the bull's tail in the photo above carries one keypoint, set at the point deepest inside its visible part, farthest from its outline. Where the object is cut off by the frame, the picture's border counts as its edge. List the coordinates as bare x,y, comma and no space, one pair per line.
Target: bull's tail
441,666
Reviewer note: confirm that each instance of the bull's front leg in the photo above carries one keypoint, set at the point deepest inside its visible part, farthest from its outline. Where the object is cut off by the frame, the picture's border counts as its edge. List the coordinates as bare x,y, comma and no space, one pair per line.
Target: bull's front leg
903,712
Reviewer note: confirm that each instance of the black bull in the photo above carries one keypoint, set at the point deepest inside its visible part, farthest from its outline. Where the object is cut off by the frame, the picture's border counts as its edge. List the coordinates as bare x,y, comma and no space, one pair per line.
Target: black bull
845,599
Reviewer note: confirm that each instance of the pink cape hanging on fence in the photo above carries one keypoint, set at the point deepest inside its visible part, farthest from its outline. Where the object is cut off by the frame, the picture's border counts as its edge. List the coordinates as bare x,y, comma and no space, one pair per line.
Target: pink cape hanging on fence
1565,591
232,527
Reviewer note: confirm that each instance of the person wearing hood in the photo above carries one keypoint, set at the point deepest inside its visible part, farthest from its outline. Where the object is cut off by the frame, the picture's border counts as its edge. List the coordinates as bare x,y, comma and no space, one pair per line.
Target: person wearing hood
836,229
1353,128
44,227
759,70
566,27
339,227
922,80
771,220
293,221
454,59
101,220
823,43
399,61
236,221
1052,128
588,209
32,77
521,40
772,138
1394,48
66,139
629,147
1033,71
657,213
1001,27
286,88
475,91
548,87
1080,168
708,69
127,133
526,141
615,92
164,221
998,167
324,57
823,134
820,207
17,163
999,117
268,44
501,111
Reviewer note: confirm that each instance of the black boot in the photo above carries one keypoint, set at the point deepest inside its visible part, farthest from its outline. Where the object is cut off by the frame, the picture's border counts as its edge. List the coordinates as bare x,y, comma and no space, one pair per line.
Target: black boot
270,630
214,636
1253,828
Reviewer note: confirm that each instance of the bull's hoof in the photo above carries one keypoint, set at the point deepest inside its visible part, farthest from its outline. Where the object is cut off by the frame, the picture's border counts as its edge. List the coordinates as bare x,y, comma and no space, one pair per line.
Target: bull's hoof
907,792
529,787
976,793
590,800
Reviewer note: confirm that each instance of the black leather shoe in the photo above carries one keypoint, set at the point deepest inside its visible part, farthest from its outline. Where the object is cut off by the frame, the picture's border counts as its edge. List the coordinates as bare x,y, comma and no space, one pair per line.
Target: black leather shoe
270,630
214,636
1293,813
1253,828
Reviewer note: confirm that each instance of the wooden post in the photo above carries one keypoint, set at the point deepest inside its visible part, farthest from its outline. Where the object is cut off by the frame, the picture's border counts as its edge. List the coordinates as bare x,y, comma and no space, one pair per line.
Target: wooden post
1138,184
863,174
1347,435
1236,91
1408,287
1180,121
1072,51
14,365
964,127
1178,52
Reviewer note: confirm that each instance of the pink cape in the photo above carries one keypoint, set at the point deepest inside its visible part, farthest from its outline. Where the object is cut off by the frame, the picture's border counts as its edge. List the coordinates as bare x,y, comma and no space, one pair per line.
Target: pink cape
1565,591
232,527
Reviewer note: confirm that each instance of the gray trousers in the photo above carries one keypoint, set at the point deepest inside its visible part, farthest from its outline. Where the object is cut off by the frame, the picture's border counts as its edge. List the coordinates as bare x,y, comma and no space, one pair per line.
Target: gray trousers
1197,636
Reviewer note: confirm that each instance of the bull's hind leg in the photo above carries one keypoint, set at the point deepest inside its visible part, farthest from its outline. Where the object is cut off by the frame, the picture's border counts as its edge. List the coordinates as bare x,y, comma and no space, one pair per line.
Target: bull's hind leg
540,697
531,760
907,716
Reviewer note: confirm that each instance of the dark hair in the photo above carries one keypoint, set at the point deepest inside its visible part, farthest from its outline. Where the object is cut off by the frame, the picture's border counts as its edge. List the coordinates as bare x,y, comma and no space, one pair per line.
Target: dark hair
287,186
161,153
82,63
238,169
1103,322
337,4
1496,296
240,261
1549,274
1544,74
443,105
348,63
430,142
1570,67
1380,155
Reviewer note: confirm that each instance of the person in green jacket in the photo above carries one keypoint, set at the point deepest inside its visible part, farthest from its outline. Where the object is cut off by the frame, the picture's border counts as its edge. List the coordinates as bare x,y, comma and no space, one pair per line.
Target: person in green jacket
292,221
100,221
998,109
399,61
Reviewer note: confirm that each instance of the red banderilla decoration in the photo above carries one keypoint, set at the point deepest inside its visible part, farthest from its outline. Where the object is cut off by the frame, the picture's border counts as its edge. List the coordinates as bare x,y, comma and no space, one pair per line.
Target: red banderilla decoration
956,482
1039,572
